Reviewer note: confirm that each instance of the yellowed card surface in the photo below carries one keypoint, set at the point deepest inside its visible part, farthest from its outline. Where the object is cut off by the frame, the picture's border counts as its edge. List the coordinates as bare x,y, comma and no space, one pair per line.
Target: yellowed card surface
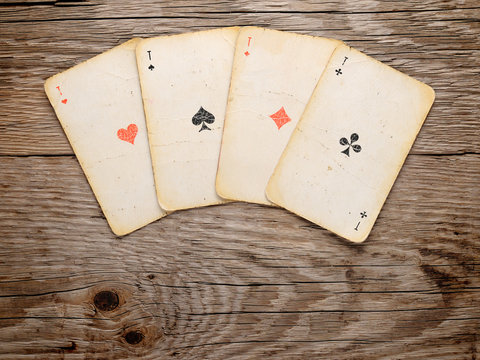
274,74
350,144
185,80
99,105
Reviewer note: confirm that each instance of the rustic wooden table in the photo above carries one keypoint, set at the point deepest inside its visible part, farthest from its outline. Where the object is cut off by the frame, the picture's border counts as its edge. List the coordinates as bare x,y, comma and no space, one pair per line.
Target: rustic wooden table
241,280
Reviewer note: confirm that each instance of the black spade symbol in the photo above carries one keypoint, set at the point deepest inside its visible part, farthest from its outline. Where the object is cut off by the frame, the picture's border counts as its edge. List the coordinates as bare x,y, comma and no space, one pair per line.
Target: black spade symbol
201,117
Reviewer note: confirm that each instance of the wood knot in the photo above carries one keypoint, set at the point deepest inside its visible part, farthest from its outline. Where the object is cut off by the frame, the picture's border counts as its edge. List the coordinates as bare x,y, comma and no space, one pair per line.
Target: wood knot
350,274
134,337
106,300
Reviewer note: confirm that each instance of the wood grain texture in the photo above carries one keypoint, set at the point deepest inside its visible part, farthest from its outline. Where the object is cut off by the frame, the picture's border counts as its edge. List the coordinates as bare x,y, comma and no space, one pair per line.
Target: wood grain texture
441,48
239,281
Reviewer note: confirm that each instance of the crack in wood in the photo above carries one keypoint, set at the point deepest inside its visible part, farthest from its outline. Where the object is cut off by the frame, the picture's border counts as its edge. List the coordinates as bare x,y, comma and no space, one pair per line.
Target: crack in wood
47,3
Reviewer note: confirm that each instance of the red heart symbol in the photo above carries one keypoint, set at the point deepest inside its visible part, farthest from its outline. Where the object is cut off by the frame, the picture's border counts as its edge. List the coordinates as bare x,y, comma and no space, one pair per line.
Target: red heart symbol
128,134
64,101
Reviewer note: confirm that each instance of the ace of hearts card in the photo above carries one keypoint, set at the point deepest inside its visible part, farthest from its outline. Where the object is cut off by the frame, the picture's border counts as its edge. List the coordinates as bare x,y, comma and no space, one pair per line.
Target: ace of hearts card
99,106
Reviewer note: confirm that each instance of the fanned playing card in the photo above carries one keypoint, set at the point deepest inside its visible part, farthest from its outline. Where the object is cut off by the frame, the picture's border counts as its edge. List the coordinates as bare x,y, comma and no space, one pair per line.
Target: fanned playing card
350,144
99,105
185,80
274,74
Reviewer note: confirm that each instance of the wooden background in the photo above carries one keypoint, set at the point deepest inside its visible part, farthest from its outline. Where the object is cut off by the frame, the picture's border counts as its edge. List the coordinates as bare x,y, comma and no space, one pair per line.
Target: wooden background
239,281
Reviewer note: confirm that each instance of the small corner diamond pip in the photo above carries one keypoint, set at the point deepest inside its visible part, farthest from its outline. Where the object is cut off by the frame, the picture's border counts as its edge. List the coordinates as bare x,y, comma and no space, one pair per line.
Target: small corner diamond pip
280,118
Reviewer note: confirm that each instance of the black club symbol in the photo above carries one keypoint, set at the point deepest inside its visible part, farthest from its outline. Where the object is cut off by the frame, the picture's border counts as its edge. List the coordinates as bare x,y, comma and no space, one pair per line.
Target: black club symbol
353,138
363,214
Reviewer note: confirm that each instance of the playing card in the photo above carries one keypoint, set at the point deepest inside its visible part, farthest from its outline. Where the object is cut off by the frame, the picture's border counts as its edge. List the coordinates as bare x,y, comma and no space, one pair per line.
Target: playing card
274,74
185,80
99,105
350,144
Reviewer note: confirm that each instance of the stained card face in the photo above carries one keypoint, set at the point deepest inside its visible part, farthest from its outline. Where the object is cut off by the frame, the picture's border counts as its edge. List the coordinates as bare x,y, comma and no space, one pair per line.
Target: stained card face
350,144
99,105
185,80
274,74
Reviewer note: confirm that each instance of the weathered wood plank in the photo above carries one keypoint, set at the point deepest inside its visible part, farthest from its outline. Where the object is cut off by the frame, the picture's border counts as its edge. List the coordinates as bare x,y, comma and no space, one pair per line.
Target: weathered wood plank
419,44
53,10
241,280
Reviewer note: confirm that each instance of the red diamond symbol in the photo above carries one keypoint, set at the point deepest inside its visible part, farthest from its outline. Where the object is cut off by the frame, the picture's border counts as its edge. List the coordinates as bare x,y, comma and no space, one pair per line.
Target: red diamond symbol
280,118
246,53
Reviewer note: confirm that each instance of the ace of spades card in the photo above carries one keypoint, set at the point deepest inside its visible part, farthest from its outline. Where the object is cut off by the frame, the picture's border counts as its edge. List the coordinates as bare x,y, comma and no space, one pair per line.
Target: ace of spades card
273,77
99,106
185,80
350,144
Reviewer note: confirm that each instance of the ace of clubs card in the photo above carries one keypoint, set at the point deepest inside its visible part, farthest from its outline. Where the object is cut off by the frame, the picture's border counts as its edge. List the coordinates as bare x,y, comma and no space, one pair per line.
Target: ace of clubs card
350,144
